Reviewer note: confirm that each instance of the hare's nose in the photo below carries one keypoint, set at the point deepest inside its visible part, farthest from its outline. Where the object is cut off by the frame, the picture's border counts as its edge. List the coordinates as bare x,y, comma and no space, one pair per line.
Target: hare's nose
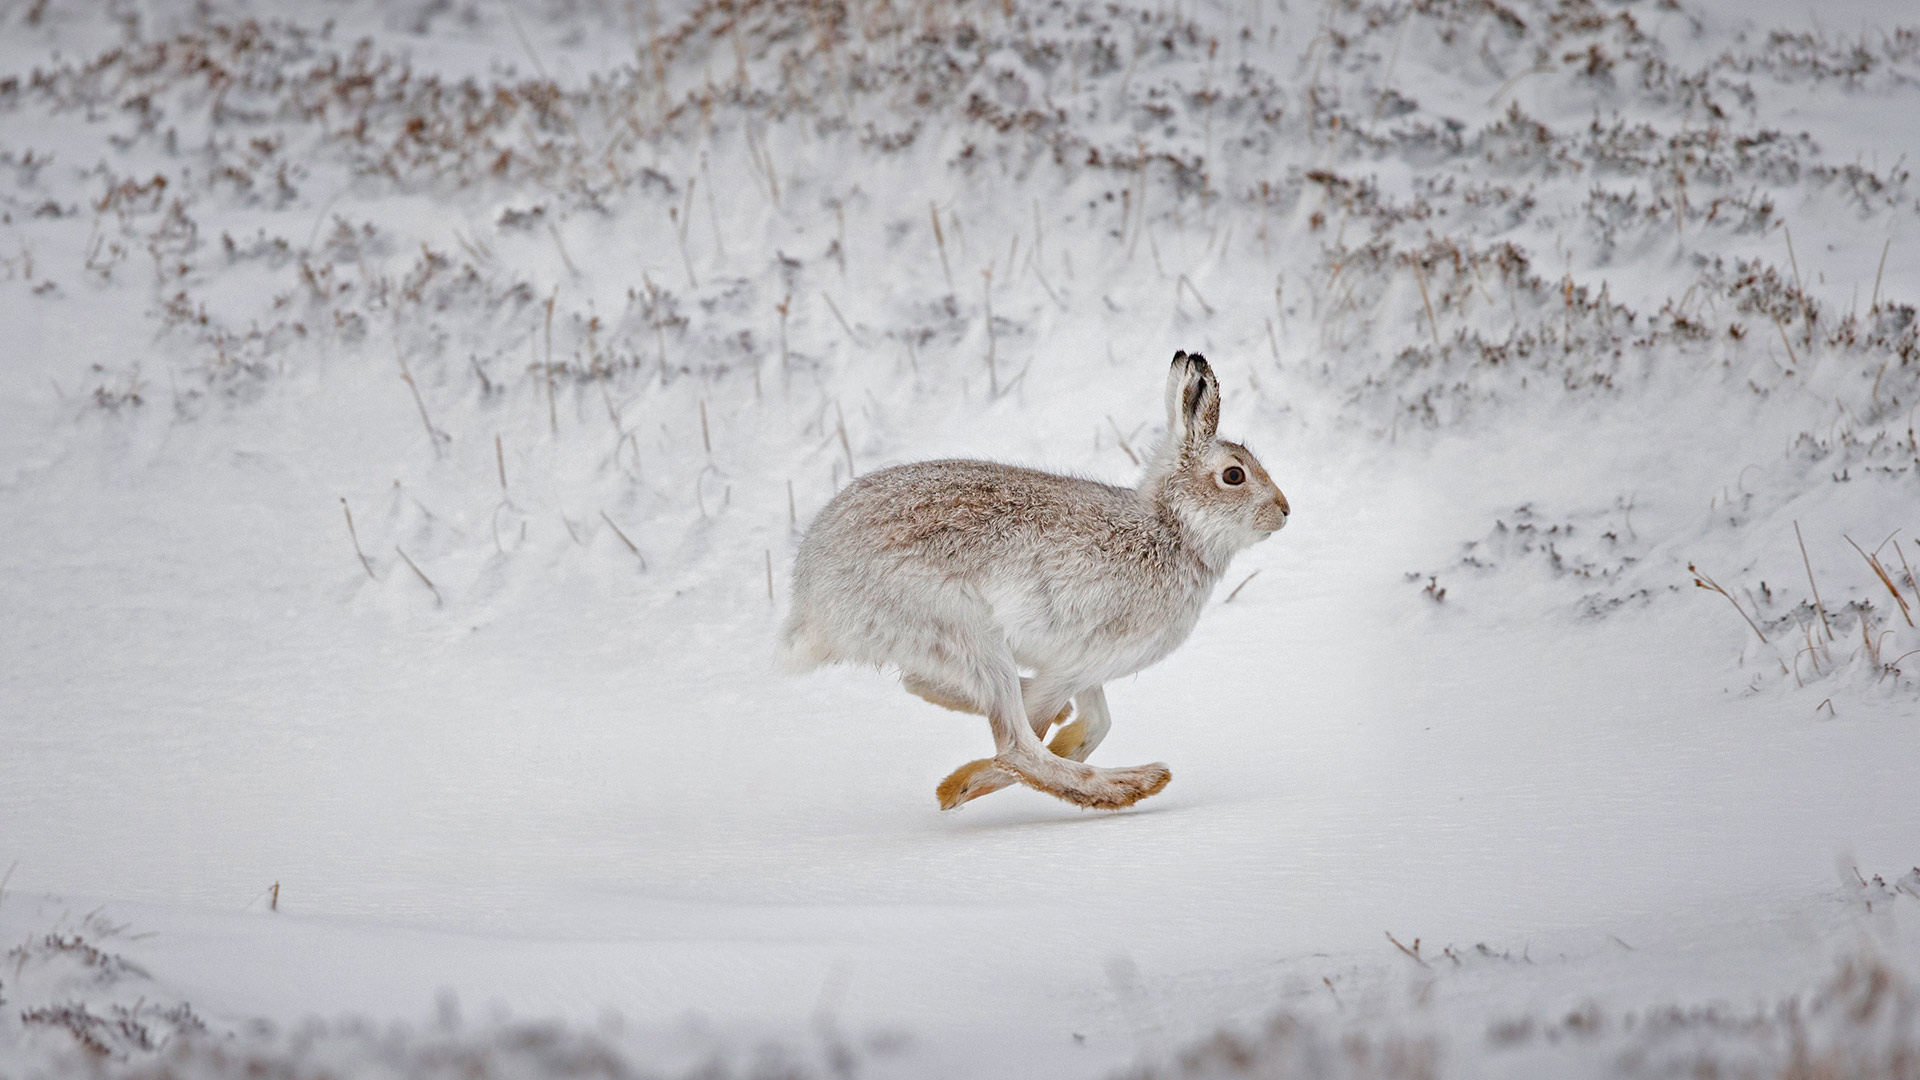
1282,500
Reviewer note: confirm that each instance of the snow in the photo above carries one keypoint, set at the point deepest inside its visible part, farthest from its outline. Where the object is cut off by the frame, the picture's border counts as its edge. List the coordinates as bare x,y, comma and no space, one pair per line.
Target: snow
543,804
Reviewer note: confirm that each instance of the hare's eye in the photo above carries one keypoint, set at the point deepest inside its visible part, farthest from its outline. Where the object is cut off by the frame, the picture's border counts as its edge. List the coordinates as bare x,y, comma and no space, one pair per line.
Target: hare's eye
1234,475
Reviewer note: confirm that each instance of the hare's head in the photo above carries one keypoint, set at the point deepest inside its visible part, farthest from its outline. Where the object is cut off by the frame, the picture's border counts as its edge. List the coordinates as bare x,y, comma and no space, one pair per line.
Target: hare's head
1218,488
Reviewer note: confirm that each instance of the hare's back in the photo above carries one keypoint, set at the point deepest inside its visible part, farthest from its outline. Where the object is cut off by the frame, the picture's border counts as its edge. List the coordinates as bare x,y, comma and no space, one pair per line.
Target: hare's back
961,514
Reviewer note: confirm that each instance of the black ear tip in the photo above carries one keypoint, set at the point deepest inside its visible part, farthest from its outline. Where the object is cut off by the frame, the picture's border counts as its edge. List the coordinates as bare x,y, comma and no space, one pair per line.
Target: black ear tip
1179,356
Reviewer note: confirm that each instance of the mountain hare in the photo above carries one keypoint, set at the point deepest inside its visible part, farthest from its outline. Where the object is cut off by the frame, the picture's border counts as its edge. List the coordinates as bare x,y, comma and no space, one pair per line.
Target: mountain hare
961,573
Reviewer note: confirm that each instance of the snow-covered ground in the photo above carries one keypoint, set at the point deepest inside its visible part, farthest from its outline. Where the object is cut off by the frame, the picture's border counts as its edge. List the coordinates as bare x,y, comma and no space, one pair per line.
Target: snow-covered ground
408,413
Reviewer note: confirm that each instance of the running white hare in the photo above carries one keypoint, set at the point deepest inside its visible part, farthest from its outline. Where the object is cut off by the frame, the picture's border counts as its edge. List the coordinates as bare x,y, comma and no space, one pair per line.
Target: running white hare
961,573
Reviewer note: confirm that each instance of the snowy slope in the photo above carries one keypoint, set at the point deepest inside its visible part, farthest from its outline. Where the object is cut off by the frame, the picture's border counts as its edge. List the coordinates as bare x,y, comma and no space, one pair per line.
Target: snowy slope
580,311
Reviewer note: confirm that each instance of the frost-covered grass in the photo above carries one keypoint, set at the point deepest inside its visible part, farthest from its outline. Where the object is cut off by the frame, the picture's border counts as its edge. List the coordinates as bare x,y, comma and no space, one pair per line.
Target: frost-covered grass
411,409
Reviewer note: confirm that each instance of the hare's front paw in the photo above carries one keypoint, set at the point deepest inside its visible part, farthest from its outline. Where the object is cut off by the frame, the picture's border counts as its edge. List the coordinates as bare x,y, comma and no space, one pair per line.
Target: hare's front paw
972,780
1071,741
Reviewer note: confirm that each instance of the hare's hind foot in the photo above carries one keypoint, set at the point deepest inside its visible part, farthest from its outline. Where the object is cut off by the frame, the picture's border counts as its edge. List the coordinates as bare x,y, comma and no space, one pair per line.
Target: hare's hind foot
986,776
1116,789
1113,789
972,780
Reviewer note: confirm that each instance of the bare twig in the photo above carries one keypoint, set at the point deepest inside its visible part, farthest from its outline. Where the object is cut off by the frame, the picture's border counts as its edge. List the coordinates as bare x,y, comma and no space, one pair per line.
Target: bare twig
1806,314
553,411
561,246
940,239
1879,571
1433,325
1195,293
623,539
993,371
1125,448
840,426
1875,306
1817,605
1701,579
1242,585
1413,953
424,579
1783,338
351,532
434,435
841,319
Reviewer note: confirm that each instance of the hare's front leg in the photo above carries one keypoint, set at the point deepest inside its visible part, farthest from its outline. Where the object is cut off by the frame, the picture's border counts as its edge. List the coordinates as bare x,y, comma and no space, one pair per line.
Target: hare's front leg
1079,739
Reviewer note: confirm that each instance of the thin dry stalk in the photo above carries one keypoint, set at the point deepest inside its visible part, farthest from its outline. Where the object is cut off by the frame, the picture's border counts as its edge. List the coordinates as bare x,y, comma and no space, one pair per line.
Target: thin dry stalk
1811,652
706,440
680,231
1879,571
1783,340
631,546
993,371
1195,293
840,241
782,308
554,232
355,536
841,319
1041,277
1817,605
613,414
1413,953
1125,448
1273,343
713,214
274,904
424,580
793,515
1433,324
1806,315
434,435
553,410
500,459
846,446
1701,579
940,239
1875,306
1242,585
1911,583
770,598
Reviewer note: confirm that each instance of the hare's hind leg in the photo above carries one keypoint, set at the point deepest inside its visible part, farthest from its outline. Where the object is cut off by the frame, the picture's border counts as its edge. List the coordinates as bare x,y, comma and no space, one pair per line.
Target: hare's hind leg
986,674
1079,739
985,776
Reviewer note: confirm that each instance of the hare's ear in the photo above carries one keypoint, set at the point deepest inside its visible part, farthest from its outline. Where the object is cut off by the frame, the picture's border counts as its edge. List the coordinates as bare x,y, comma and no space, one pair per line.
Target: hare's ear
1193,401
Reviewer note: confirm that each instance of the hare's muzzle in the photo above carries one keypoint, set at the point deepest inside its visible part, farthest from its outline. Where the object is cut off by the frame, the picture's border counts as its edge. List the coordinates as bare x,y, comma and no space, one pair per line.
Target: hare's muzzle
1274,515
